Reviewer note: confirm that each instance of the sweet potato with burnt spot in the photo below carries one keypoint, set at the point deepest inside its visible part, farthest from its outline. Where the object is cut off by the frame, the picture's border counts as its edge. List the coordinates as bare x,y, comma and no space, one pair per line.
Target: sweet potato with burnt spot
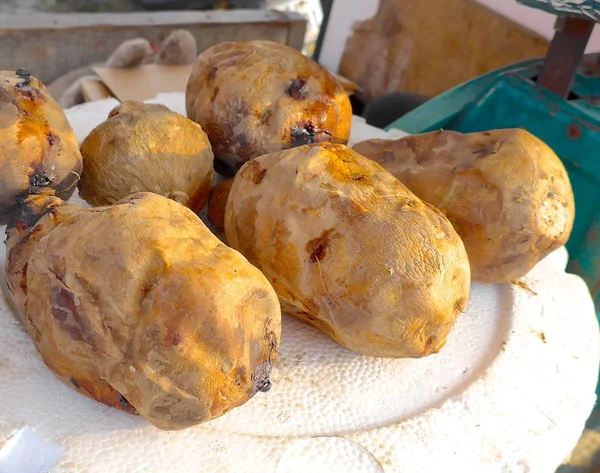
258,97
505,191
139,306
38,147
350,250
147,148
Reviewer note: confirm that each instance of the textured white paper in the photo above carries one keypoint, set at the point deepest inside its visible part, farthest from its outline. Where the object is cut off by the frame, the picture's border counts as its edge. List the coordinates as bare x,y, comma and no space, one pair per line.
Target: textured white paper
27,452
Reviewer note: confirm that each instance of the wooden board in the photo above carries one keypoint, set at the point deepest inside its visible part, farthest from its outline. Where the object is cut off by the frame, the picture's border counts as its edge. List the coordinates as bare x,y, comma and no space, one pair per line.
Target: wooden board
94,90
52,45
430,46
145,82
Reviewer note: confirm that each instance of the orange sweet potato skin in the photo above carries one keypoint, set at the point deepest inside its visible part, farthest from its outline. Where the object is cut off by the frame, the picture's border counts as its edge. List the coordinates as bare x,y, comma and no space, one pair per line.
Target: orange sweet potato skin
147,148
506,193
258,97
38,147
350,250
139,306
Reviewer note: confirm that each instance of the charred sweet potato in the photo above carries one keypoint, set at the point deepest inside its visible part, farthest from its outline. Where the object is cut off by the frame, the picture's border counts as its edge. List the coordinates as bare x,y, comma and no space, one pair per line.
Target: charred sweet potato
258,97
37,145
349,249
147,148
505,191
139,306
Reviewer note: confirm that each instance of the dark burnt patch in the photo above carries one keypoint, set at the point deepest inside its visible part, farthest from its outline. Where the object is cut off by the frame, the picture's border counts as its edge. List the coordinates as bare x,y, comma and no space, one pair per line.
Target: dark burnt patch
125,405
51,139
308,134
297,89
24,219
260,378
25,77
75,383
317,247
40,179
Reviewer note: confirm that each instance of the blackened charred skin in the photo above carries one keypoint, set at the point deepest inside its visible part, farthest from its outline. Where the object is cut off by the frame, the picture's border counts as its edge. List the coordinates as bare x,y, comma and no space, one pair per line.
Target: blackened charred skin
40,178
303,136
297,89
26,217
308,135
25,76
51,139
260,378
74,383
125,404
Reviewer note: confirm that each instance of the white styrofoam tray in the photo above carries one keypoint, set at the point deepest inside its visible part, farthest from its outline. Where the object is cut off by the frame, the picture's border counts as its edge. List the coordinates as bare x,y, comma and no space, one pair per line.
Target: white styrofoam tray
509,392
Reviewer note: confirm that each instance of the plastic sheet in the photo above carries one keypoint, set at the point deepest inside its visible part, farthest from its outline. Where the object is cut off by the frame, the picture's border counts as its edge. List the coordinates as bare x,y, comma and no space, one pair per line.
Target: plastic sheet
589,9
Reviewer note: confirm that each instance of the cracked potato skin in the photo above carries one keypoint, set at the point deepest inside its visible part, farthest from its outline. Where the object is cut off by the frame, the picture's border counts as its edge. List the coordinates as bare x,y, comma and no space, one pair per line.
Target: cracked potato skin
139,306
350,250
258,97
147,148
506,193
38,147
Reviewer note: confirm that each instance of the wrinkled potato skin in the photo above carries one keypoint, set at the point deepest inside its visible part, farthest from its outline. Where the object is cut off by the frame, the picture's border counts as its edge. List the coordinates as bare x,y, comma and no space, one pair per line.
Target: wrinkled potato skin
147,148
218,202
506,193
38,147
257,97
350,250
139,306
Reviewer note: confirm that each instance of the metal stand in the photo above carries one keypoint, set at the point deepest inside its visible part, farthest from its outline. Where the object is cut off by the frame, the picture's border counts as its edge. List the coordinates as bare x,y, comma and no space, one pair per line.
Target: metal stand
564,54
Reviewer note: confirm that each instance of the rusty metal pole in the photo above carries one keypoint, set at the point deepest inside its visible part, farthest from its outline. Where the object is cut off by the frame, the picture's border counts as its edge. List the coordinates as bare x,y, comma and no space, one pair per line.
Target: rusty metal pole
564,54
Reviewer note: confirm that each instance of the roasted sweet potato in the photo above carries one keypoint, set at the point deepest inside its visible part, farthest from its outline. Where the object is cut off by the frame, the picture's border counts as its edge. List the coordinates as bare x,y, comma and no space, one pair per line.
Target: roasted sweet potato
37,145
506,193
139,306
258,97
349,249
147,148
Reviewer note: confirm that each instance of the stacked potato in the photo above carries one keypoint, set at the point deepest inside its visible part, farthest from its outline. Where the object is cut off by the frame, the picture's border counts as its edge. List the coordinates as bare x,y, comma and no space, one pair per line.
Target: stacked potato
136,304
